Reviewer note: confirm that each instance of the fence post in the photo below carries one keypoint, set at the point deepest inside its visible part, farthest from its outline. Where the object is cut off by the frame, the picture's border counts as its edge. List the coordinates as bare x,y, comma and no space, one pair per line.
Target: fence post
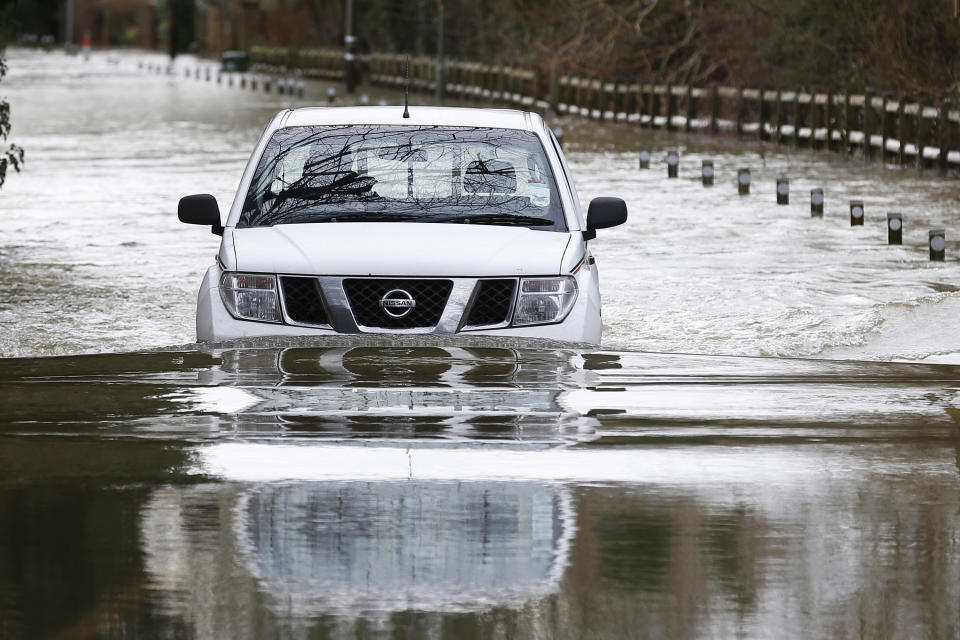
884,127
706,173
780,114
691,109
596,99
816,202
638,101
653,104
846,121
797,117
923,132
816,117
952,131
856,213
641,104
943,133
671,107
714,110
868,124
673,163
741,108
937,244
894,228
592,92
603,97
830,115
764,115
743,181
902,129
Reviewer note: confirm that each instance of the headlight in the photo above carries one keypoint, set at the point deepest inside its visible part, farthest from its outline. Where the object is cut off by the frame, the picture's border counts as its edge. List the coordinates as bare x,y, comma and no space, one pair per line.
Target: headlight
250,296
544,300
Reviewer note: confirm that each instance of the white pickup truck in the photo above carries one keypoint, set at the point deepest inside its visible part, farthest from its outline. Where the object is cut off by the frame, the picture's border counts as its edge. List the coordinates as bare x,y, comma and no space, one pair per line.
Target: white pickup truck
364,220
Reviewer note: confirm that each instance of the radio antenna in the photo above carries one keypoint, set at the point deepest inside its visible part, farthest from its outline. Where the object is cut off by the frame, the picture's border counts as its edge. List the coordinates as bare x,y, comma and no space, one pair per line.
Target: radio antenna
406,89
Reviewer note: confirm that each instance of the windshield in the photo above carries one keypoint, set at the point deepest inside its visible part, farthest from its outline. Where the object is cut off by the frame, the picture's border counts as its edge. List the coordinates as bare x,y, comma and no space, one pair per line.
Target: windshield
355,173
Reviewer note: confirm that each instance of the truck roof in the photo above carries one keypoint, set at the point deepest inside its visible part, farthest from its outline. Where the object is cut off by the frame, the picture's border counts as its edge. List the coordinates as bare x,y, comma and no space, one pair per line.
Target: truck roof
419,116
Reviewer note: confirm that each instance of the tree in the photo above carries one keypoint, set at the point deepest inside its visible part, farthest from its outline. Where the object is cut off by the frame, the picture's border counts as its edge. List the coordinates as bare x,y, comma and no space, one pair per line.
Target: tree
12,157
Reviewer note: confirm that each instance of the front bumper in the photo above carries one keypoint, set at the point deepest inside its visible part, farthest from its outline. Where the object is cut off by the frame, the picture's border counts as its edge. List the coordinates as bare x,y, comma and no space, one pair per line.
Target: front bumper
214,322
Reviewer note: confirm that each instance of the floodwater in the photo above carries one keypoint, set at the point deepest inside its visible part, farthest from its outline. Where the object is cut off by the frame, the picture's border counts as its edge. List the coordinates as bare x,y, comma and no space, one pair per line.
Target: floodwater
469,488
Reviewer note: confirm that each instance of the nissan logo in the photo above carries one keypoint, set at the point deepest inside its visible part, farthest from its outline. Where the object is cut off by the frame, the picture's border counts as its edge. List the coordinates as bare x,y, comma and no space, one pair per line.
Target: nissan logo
397,303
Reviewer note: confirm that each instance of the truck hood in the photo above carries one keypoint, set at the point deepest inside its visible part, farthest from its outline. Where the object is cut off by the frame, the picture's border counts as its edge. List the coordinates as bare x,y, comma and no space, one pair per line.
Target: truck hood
399,249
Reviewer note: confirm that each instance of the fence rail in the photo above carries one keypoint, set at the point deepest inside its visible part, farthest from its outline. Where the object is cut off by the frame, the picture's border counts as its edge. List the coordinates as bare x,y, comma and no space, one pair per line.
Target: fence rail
889,129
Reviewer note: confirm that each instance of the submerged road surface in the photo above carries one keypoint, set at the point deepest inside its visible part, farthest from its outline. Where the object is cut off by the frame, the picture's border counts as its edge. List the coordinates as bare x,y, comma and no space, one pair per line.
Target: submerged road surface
363,488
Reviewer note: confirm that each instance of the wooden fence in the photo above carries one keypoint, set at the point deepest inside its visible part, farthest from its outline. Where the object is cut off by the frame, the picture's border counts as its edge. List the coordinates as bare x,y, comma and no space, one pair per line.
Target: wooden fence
885,128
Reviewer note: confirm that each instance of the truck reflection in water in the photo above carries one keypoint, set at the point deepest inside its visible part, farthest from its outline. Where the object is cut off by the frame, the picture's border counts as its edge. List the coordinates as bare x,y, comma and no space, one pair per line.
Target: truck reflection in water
390,392
360,549
208,494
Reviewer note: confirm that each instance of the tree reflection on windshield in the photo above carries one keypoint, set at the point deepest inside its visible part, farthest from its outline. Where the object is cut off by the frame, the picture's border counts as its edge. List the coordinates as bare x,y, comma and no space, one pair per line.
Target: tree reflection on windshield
403,173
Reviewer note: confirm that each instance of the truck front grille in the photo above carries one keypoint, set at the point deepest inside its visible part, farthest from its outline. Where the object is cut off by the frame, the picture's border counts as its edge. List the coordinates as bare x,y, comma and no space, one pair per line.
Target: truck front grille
365,295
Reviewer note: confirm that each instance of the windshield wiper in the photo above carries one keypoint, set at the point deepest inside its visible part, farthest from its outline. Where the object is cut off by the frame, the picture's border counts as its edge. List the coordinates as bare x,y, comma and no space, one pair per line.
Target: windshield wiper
383,216
364,216
493,218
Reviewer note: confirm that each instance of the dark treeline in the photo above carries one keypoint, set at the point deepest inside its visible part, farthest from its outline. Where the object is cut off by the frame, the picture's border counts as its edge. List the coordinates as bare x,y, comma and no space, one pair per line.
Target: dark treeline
906,46
902,46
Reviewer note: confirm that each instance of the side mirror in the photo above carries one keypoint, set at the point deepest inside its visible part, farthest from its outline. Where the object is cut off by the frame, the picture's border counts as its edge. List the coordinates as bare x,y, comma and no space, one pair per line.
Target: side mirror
201,209
604,213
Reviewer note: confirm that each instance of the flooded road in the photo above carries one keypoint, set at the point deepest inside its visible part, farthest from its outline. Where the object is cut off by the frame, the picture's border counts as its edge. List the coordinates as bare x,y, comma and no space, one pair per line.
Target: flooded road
476,492
470,488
